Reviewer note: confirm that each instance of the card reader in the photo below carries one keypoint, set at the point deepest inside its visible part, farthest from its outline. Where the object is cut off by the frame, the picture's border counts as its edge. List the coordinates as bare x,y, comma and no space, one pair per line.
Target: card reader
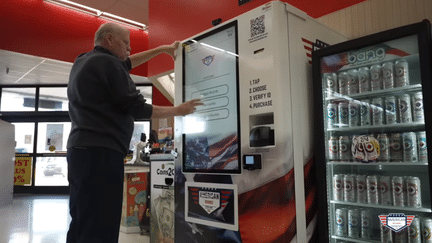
252,161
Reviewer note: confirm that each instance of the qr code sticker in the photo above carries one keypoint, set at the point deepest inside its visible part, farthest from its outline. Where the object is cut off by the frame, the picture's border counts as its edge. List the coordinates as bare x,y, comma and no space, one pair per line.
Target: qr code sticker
257,26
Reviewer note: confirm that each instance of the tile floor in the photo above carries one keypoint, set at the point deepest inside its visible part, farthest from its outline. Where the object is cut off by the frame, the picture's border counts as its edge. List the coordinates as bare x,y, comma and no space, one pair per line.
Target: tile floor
42,219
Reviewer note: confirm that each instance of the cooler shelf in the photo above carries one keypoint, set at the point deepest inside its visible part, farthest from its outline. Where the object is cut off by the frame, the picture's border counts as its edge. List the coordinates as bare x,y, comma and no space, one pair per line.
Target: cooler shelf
375,93
386,207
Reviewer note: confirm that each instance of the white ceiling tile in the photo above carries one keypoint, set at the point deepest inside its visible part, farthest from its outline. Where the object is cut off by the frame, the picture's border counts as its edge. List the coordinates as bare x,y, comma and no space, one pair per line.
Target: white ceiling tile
30,70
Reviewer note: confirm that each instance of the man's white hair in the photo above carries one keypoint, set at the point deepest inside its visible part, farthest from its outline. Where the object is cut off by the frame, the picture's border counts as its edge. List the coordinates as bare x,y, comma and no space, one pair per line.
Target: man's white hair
106,28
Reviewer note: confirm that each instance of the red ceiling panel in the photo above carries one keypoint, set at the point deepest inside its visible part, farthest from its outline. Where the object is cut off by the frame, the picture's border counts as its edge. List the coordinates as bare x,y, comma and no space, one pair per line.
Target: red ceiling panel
48,30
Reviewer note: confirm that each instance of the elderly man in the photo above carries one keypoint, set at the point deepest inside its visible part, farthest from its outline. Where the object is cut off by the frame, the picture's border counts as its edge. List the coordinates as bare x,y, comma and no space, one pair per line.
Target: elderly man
103,103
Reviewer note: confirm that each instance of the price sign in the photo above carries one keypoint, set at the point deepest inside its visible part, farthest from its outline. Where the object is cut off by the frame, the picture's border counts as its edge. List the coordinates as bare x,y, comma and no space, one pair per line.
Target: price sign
23,165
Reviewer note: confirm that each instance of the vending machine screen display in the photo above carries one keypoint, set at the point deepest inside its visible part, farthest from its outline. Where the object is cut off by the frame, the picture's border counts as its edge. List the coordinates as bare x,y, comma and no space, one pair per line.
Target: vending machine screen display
211,136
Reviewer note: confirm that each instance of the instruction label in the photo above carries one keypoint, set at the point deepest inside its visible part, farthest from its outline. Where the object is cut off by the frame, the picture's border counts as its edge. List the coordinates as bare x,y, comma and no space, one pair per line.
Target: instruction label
259,96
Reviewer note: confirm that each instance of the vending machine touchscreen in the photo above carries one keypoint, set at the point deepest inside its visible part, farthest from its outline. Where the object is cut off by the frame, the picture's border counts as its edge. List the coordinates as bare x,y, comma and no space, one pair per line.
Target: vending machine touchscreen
210,72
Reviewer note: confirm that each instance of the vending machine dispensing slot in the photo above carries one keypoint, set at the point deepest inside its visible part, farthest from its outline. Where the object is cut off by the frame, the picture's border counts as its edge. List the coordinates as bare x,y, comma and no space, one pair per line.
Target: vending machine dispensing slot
261,130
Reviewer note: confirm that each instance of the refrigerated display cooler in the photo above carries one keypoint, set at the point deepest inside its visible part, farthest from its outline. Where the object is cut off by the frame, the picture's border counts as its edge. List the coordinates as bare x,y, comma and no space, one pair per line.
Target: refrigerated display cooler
372,102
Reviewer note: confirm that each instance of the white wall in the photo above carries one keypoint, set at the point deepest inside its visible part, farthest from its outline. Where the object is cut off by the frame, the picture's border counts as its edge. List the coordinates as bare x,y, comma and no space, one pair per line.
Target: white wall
374,16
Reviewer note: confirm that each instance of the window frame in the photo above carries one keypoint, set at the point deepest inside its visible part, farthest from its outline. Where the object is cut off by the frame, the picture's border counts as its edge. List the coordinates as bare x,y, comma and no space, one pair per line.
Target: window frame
37,117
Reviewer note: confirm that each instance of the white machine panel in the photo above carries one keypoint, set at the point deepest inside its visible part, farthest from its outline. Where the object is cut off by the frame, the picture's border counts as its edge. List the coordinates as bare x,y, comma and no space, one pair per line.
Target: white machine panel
253,73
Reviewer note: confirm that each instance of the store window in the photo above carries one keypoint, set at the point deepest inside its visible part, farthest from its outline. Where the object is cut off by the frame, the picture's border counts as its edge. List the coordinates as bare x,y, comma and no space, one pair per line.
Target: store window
53,99
42,137
51,171
18,99
52,137
24,133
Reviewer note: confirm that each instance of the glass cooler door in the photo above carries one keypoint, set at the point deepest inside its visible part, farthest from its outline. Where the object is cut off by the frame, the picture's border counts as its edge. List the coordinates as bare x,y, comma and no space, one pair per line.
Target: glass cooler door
375,144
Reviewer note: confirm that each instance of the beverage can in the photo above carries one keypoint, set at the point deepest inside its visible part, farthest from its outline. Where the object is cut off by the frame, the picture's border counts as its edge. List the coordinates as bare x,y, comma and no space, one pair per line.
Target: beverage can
353,223
343,83
418,110
405,114
401,73
376,77
331,81
366,224
343,114
413,192
398,188
332,115
386,235
354,113
385,191
365,113
372,189
333,151
422,147
384,143
388,75
344,148
353,82
349,191
377,111
401,236
409,141
396,147
338,187
341,222
427,230
364,80
414,231
390,110
361,189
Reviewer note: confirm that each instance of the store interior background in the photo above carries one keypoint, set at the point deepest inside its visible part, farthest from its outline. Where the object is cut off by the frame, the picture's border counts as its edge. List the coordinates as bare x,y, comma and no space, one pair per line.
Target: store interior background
41,40
46,30
50,32
39,28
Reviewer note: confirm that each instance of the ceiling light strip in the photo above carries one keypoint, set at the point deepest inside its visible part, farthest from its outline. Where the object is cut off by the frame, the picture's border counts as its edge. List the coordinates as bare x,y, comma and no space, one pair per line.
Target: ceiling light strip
98,13
75,6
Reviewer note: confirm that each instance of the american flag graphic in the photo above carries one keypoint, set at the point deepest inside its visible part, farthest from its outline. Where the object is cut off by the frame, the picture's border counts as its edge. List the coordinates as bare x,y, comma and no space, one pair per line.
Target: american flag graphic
223,153
308,46
266,217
